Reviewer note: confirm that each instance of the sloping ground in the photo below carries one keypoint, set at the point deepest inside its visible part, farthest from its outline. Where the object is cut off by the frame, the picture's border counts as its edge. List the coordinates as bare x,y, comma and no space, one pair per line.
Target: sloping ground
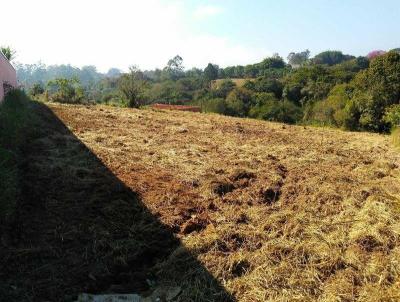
78,228
273,212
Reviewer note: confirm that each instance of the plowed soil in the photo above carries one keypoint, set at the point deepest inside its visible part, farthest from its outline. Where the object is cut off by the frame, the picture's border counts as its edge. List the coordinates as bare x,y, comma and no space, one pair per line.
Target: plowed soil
230,209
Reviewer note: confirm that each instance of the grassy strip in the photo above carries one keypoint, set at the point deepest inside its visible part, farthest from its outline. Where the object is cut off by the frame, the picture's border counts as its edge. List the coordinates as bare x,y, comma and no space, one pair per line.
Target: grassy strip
14,124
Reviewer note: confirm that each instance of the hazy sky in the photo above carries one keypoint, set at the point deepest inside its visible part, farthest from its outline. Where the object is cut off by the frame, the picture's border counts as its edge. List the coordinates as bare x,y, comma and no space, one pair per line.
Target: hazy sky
147,33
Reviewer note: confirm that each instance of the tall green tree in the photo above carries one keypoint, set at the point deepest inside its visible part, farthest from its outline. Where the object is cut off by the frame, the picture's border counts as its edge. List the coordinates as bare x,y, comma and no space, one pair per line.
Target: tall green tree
211,72
272,62
377,88
174,68
298,58
331,57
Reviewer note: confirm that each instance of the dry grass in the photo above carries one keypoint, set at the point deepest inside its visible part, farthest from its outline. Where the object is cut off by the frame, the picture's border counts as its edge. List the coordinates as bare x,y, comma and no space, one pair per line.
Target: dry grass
396,137
238,82
274,212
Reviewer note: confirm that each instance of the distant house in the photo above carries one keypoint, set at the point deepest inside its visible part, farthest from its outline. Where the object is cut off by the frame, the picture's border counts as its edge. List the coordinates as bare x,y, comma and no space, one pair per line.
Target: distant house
8,76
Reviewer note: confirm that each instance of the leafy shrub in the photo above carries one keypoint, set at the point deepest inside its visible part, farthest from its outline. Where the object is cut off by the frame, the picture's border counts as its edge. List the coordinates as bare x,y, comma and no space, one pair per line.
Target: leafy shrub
331,112
351,116
235,106
377,88
264,84
308,83
216,105
111,98
36,89
224,88
63,90
392,115
278,111
262,100
238,102
331,57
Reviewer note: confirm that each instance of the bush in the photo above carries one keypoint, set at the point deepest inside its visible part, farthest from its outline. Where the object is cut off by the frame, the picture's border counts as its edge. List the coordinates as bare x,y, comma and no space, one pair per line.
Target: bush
376,89
392,115
238,102
308,83
331,112
216,105
63,90
278,111
235,106
331,57
224,88
36,89
351,116
264,84
111,98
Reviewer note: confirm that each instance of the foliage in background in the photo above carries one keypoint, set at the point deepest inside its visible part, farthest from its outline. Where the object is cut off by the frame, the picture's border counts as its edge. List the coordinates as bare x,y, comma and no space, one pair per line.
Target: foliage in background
331,57
270,108
332,110
375,53
330,89
239,102
36,90
376,89
392,115
132,86
65,91
299,58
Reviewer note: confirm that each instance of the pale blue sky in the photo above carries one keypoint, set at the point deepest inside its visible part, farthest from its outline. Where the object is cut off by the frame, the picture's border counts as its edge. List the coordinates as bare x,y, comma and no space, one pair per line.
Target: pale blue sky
147,33
354,26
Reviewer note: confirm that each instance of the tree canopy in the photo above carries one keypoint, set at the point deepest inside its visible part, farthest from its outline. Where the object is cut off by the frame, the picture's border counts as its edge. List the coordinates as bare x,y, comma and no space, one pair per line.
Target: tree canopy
8,52
332,88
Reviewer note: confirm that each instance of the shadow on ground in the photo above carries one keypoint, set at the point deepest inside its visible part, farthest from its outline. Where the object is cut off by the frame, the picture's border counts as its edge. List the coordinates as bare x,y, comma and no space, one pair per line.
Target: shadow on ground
80,229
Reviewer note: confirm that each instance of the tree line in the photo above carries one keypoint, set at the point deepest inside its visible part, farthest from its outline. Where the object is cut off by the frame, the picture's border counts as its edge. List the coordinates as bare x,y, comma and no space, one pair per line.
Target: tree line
330,89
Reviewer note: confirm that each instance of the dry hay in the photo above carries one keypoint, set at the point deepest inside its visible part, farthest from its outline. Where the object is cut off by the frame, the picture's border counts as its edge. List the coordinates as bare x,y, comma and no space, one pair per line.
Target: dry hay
238,82
274,212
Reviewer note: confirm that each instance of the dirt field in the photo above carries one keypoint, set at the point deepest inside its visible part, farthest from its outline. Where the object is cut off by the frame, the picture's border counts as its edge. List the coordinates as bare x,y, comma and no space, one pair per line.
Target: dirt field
240,210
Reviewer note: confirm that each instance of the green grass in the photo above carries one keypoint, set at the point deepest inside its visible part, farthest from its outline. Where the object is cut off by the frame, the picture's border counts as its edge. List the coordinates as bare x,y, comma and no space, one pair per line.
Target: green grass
14,127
